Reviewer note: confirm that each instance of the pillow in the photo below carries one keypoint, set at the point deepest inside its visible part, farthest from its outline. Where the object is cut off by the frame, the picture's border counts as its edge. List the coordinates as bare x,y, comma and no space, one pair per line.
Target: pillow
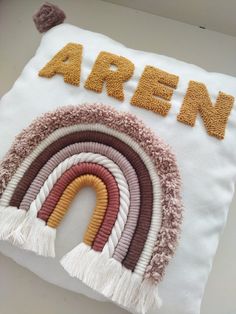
152,136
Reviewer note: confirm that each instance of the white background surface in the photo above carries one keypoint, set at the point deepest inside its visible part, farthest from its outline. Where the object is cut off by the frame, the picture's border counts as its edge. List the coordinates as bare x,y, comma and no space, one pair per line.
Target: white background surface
22,292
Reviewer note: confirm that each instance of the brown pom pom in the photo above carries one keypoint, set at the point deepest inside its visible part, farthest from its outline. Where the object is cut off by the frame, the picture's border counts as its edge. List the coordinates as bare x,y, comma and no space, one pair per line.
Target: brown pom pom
48,15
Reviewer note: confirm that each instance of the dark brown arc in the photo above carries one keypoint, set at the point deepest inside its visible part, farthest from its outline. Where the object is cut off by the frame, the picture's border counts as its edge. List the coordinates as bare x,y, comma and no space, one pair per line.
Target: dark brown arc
146,191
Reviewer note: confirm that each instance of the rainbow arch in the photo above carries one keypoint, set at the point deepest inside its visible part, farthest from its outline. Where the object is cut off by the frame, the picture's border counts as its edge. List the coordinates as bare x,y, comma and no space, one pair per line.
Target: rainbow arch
134,228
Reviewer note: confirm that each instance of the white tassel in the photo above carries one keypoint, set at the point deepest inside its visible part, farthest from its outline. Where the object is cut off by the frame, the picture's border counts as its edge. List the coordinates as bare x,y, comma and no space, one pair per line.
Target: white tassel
74,262
122,286
2,211
20,234
112,272
109,277
133,293
130,298
41,239
10,219
94,265
87,265
147,298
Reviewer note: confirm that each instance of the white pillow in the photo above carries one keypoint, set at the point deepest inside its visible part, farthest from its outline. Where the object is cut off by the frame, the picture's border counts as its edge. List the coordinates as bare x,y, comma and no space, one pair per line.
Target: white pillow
205,156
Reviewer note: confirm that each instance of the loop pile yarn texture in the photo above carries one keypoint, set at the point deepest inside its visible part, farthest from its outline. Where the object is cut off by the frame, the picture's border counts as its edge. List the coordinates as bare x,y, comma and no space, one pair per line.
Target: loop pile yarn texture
134,228
48,16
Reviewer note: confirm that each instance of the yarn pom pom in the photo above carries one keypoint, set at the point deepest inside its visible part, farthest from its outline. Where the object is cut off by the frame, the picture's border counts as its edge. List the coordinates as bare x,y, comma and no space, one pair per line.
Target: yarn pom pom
48,15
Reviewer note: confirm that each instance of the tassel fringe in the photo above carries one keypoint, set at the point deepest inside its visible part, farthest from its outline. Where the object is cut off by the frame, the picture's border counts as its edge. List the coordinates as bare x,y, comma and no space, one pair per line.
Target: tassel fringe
148,297
74,260
10,219
107,276
25,230
21,232
112,272
41,239
96,269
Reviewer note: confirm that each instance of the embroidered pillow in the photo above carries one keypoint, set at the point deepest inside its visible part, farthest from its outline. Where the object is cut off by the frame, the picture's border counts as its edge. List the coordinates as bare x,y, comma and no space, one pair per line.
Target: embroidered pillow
152,136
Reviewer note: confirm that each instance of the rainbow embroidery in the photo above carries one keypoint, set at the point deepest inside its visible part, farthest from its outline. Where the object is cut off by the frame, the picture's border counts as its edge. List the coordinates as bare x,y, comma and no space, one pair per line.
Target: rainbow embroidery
134,228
